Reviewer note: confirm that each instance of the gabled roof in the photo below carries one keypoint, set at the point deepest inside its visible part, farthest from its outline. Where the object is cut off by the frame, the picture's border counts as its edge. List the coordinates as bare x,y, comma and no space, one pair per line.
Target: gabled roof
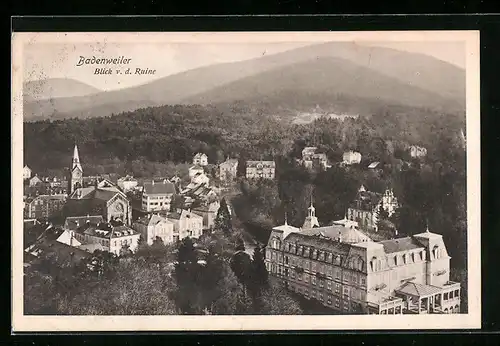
200,155
68,239
400,244
230,163
158,188
152,220
418,290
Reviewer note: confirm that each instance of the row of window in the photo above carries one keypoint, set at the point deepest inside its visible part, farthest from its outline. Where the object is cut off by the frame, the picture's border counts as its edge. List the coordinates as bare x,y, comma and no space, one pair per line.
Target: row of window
329,271
451,295
330,300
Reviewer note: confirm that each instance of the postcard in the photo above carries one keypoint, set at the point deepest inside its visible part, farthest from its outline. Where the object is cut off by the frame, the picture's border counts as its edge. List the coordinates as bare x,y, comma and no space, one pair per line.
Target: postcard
204,181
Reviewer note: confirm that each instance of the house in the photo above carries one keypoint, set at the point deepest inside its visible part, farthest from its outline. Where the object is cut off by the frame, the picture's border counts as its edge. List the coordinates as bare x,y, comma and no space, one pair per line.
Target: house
157,195
107,201
127,183
228,170
35,181
44,206
186,224
200,179
208,213
200,159
260,170
312,159
152,226
366,207
26,172
417,152
63,254
196,169
351,157
105,237
343,269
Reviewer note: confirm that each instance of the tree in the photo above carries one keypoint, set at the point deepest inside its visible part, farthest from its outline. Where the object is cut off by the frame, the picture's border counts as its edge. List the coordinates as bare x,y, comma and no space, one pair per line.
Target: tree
241,264
260,274
223,219
187,275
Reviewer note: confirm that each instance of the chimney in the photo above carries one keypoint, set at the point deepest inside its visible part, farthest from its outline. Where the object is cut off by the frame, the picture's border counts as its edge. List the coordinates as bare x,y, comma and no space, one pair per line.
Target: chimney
152,182
77,223
340,237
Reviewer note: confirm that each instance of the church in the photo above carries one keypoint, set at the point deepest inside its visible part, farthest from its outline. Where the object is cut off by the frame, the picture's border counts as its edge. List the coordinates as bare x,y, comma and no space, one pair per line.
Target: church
103,198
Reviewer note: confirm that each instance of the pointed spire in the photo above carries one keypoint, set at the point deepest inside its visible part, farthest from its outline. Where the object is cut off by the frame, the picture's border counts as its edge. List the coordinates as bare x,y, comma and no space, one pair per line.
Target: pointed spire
76,159
427,227
286,221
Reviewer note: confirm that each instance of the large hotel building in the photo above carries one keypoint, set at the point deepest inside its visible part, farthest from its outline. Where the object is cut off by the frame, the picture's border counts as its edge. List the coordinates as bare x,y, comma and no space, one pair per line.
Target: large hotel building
342,268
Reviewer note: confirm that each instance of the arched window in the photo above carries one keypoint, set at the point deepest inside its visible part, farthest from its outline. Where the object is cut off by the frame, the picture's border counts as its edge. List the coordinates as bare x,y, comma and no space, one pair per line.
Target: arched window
373,264
315,254
435,251
396,260
413,257
361,264
330,257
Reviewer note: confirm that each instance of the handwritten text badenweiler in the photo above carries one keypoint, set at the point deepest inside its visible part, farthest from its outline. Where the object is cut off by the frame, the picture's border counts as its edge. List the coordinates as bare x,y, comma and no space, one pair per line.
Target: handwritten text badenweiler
117,61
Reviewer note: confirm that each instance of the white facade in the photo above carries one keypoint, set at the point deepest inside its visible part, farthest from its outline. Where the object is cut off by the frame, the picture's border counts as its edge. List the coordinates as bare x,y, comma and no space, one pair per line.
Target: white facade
127,183
351,157
200,159
153,226
186,224
26,173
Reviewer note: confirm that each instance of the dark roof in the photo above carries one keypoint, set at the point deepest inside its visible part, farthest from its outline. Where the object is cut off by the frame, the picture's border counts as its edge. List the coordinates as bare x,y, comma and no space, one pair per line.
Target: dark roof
318,242
104,195
366,200
65,253
401,244
161,188
71,222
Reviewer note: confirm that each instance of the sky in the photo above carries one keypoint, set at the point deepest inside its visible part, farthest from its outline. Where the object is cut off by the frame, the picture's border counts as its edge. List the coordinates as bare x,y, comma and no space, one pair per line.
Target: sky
58,60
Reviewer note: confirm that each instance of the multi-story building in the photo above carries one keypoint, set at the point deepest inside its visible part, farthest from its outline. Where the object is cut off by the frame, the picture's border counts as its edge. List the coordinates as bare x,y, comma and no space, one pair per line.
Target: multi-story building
186,224
200,159
228,170
44,206
106,237
26,172
35,181
351,157
345,270
127,183
152,226
312,159
260,170
208,212
416,151
366,207
157,196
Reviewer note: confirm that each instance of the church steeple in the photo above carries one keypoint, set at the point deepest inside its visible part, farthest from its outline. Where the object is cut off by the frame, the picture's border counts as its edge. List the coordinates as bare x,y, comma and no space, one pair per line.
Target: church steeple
76,160
76,172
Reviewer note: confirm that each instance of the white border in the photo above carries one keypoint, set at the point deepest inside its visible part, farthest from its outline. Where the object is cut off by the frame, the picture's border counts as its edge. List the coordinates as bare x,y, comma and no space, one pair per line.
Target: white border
471,320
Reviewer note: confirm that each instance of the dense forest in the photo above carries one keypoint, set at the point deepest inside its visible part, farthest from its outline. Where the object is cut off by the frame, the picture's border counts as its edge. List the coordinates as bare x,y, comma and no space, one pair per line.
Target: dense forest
132,142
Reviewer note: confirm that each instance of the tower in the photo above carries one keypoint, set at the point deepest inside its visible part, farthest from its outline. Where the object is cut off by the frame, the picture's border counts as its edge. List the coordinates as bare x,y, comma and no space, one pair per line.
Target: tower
76,173
311,219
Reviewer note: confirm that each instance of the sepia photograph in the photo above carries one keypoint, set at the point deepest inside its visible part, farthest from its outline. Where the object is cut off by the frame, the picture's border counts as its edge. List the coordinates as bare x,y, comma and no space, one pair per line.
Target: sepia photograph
245,181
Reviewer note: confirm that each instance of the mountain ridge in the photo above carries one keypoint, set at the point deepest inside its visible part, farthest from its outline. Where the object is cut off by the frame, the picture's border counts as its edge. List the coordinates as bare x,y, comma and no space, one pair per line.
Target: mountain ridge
173,89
